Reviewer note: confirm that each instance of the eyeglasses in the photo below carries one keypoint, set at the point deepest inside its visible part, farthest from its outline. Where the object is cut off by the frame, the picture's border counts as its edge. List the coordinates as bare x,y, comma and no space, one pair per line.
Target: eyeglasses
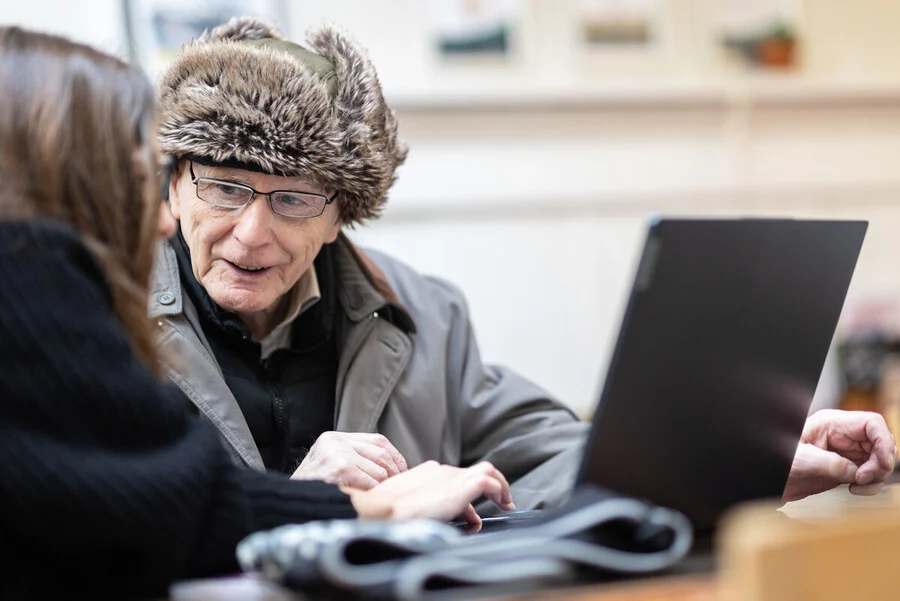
231,195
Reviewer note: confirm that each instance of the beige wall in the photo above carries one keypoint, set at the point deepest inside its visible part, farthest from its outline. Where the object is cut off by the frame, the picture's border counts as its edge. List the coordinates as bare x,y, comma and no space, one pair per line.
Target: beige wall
536,205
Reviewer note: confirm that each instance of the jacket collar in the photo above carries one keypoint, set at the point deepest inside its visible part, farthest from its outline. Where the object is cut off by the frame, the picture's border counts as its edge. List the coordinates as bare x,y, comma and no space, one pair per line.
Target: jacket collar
362,290
207,309
165,284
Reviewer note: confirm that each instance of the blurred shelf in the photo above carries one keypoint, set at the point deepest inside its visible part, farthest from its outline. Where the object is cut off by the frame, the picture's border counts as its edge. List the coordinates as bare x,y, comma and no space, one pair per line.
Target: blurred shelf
785,89
808,198
498,94
762,89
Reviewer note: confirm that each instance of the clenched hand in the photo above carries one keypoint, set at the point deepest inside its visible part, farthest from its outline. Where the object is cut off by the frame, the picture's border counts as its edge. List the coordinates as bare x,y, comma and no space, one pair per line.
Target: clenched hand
351,459
841,447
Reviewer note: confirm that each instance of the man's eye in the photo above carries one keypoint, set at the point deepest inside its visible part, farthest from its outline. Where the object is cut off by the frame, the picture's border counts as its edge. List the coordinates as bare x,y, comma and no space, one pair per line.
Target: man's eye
294,201
231,190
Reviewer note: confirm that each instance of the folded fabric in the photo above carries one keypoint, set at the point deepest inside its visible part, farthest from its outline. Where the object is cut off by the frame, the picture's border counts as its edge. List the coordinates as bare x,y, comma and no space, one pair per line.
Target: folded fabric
595,534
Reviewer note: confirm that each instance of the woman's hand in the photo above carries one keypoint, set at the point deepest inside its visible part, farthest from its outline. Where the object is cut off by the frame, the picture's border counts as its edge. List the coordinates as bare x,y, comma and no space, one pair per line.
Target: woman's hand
432,490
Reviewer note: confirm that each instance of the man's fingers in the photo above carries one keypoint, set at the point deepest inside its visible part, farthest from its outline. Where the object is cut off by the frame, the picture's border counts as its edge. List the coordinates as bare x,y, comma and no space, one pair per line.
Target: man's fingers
359,479
331,446
373,470
383,442
379,449
345,475
399,460
376,454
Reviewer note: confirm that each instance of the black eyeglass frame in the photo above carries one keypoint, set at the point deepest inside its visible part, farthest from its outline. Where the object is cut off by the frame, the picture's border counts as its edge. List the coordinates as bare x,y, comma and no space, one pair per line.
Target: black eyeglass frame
196,181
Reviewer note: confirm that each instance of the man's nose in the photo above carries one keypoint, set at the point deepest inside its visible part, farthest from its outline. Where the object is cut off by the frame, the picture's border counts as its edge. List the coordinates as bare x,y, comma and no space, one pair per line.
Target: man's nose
254,223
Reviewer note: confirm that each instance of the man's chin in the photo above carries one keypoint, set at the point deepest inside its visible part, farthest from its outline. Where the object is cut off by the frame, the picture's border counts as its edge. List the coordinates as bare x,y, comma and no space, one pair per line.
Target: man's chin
240,305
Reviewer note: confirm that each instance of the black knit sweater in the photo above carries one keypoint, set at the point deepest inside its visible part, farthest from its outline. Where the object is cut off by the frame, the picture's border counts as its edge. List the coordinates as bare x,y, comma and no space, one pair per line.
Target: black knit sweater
107,488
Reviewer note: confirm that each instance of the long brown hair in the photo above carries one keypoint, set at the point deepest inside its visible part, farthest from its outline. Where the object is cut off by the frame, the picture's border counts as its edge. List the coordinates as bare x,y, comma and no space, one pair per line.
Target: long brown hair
77,145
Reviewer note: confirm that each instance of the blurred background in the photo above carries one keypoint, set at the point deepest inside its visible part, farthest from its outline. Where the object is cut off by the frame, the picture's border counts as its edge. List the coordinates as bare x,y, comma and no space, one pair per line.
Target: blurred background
543,133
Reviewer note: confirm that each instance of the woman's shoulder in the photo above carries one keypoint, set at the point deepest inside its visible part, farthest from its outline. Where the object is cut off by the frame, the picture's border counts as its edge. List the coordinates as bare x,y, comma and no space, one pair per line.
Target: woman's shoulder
47,247
17,235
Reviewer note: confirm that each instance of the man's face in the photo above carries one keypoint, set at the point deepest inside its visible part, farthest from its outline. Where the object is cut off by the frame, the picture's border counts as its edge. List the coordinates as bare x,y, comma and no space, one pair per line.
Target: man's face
247,259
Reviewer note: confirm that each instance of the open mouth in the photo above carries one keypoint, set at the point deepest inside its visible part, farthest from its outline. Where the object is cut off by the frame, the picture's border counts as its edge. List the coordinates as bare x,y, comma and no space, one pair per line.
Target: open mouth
250,269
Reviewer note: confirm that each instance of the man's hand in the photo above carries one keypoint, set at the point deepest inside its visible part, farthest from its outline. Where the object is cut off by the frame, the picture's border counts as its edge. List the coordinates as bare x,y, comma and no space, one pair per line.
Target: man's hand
841,447
351,459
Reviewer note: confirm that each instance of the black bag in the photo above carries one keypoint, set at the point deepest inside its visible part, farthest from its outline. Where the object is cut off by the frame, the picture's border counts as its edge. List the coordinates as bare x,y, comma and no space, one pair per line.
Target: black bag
594,535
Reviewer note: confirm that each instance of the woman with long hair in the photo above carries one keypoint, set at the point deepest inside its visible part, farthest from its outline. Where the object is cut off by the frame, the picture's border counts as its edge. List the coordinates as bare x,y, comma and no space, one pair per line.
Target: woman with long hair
107,486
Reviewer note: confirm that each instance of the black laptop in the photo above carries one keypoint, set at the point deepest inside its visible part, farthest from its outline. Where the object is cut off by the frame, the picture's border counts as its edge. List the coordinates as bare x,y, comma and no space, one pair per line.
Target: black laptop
718,356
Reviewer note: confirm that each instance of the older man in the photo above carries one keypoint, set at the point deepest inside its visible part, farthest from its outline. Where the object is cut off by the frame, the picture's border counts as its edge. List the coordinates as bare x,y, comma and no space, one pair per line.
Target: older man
312,357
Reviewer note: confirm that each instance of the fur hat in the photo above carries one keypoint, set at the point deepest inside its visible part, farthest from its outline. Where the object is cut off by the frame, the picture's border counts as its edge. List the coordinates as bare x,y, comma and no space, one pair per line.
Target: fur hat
242,95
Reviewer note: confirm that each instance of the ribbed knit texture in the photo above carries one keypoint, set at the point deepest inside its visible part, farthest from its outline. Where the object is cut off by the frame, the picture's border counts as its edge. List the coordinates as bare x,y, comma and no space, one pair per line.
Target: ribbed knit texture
108,489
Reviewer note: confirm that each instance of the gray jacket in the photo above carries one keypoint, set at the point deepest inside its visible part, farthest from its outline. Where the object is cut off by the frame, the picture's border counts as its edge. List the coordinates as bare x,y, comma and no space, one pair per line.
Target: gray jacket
409,369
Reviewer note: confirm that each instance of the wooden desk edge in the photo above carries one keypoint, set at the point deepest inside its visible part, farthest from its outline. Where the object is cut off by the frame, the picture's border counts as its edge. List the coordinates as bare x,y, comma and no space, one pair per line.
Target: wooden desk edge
670,588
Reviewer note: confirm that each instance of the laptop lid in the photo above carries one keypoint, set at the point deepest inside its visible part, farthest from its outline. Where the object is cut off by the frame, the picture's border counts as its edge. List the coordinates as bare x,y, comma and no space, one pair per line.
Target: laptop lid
720,350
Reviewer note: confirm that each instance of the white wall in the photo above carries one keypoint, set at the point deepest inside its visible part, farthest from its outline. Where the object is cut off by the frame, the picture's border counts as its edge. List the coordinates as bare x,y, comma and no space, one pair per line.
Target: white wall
529,184
96,22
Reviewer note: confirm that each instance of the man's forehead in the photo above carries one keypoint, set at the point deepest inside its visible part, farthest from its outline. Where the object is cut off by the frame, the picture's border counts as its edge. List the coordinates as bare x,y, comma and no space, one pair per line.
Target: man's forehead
255,178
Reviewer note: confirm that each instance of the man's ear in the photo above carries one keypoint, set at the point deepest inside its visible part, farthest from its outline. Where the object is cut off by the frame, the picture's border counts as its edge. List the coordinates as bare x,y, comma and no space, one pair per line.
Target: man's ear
174,197
334,228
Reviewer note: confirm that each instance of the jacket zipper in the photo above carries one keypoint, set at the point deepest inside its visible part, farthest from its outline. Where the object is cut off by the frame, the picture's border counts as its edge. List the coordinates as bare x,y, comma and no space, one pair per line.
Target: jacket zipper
279,408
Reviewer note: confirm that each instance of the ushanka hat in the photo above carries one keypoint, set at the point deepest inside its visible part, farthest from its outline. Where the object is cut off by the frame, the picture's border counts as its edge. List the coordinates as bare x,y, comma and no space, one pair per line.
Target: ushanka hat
243,96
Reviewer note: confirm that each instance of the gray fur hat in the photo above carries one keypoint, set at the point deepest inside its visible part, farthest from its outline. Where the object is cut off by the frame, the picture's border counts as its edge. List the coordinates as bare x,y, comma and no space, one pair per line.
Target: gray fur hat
241,95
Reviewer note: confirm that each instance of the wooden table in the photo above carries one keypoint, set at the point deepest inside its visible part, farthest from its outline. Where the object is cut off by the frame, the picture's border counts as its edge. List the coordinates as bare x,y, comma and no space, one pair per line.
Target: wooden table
689,587
684,588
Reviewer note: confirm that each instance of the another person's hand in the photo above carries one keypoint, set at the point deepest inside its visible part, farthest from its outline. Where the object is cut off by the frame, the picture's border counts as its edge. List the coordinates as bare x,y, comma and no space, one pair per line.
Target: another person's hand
432,490
841,447
351,459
